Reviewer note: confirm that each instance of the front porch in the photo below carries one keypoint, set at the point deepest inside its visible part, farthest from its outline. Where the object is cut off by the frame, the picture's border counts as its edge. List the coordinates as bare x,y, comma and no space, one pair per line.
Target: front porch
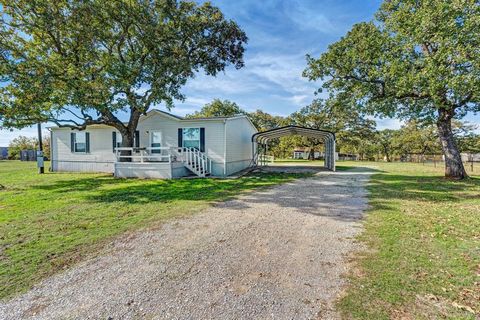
160,163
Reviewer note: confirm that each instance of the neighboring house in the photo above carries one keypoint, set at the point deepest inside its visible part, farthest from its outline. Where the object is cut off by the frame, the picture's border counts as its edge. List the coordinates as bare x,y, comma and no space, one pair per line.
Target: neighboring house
303,153
3,153
166,146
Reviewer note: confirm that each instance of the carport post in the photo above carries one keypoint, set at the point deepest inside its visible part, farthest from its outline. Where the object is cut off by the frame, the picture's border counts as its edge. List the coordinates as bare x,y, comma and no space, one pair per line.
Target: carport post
334,156
327,154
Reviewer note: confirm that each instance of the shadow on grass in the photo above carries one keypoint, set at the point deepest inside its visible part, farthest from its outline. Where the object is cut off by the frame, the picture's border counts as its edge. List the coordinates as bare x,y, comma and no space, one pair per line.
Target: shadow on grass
136,191
335,198
422,188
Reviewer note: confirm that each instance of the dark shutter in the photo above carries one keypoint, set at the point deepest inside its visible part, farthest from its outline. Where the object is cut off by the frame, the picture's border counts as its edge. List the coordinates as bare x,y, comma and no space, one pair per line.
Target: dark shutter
137,139
72,141
87,142
180,137
114,140
202,139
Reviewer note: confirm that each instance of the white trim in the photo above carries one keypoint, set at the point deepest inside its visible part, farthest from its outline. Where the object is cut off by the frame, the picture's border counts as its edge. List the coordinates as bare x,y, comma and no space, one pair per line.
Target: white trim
225,147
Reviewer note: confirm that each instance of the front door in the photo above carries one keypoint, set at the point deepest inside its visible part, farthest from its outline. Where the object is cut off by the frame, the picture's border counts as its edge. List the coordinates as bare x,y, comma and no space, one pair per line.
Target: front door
155,140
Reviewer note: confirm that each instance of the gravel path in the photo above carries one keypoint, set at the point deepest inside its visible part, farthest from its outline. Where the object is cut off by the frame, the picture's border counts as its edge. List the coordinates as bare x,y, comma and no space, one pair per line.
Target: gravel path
273,254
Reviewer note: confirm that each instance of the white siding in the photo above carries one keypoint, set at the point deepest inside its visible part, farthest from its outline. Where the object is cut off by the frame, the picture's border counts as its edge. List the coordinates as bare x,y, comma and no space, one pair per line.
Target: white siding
99,159
150,170
235,143
239,133
214,135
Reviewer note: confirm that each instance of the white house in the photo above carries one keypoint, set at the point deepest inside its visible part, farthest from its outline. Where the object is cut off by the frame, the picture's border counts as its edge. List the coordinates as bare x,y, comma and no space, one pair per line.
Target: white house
166,146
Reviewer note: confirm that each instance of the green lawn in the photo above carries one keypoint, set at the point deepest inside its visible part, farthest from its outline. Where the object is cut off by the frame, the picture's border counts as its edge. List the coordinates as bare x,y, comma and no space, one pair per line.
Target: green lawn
48,222
422,236
422,233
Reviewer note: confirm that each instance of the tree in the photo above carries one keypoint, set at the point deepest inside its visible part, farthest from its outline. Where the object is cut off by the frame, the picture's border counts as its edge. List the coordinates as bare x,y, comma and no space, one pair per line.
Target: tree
385,140
417,60
332,115
466,138
265,121
415,138
78,63
20,143
25,143
218,108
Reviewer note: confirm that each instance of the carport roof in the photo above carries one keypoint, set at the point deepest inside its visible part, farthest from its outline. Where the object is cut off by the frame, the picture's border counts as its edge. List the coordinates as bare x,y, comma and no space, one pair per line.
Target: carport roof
263,137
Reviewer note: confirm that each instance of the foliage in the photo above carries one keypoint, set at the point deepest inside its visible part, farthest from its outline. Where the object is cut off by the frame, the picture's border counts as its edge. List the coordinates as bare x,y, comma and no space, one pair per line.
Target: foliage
21,143
385,141
419,60
465,136
218,108
421,236
79,63
469,143
265,121
25,143
414,138
49,222
347,123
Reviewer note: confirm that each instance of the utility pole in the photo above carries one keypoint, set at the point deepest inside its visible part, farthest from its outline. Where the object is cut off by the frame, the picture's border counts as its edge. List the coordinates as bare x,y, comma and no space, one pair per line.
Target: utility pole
40,164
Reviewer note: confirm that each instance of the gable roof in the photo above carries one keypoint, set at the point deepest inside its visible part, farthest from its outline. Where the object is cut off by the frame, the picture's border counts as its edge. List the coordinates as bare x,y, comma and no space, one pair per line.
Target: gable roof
177,118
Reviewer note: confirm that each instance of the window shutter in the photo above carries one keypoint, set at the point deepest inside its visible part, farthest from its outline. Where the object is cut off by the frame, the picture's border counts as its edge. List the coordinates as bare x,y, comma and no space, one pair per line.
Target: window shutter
114,140
180,137
72,141
137,139
202,139
87,142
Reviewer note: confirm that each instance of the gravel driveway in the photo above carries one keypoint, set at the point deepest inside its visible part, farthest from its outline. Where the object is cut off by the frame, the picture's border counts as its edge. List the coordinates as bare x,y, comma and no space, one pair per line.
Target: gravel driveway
278,253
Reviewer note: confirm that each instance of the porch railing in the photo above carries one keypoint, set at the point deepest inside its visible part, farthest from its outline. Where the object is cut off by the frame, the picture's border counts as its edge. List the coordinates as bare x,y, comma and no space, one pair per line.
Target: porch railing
193,159
196,161
149,154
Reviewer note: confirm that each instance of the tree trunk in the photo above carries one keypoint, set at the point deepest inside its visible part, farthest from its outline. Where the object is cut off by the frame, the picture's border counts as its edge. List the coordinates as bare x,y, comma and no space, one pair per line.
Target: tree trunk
311,155
127,142
453,161
128,131
387,155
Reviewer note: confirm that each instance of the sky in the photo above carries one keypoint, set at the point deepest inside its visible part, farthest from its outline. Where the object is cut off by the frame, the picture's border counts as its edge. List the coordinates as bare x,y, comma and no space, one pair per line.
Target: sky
281,33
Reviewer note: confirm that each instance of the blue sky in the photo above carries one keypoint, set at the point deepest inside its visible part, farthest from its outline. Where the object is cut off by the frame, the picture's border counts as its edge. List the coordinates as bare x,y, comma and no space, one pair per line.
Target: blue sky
281,33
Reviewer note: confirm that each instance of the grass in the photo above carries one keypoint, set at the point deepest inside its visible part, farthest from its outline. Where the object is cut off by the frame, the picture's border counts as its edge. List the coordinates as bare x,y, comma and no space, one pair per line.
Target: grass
48,222
422,239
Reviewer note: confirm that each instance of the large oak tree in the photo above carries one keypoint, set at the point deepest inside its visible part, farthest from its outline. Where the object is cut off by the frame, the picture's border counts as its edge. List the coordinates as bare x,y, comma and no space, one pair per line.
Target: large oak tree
417,60
83,62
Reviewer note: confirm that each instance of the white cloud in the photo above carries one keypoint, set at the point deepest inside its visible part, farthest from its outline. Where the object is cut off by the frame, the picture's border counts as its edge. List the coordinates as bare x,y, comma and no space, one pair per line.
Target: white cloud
389,124
308,18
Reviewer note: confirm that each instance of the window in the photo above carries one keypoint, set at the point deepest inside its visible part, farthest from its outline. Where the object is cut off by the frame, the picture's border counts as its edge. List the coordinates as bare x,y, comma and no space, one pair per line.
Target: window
119,141
80,142
191,138
156,140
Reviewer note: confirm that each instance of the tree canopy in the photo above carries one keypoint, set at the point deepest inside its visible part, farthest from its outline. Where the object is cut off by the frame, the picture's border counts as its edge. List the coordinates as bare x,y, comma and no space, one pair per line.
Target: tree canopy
218,108
78,63
418,60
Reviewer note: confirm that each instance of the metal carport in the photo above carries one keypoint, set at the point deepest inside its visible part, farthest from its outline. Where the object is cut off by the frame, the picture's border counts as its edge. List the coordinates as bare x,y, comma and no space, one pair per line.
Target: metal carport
262,138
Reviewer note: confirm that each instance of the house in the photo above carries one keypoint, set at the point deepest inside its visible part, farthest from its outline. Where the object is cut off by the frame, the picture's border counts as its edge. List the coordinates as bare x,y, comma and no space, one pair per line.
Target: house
165,146
303,153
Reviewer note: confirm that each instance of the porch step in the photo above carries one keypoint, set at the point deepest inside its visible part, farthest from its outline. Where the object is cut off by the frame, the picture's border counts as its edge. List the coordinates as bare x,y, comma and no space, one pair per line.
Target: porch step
196,161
